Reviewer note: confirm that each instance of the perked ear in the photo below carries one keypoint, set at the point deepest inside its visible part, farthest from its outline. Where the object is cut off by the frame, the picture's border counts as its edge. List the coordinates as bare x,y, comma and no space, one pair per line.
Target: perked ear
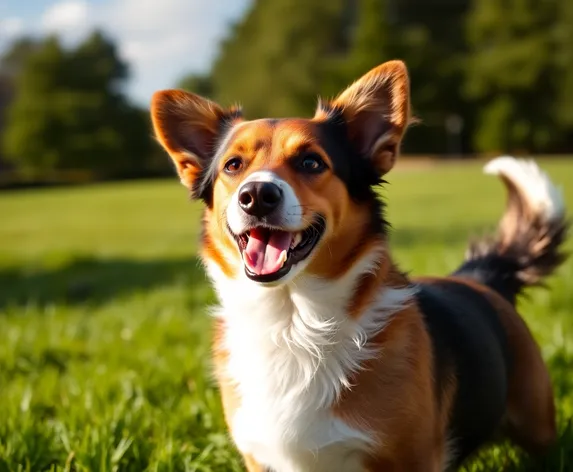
188,127
376,109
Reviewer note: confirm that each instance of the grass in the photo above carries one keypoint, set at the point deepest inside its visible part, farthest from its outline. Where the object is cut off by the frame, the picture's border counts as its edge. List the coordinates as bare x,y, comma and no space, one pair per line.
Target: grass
104,336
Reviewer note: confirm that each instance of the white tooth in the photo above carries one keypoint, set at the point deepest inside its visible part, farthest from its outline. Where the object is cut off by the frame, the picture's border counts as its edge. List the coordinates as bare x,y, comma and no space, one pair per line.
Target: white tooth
297,239
283,258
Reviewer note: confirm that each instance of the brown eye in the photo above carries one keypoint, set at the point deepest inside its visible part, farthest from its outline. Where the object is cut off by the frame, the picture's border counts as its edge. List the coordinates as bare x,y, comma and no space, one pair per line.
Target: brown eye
311,164
233,165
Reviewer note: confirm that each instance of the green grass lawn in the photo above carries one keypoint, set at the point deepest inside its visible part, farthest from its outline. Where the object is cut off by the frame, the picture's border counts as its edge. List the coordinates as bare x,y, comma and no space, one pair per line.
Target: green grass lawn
104,332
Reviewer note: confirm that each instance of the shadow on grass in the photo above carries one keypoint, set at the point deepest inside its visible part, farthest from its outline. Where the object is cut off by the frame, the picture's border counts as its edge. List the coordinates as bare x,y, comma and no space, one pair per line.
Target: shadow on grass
88,280
91,280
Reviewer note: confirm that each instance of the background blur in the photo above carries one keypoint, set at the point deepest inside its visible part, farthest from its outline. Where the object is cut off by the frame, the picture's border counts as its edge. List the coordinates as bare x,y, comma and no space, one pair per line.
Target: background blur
104,331
76,76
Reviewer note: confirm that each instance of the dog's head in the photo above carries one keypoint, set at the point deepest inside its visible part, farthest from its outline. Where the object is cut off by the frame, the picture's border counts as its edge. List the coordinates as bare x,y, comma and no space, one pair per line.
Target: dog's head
285,196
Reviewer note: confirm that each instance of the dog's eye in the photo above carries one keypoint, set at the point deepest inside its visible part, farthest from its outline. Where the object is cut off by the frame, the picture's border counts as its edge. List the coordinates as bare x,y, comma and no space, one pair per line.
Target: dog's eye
233,165
311,163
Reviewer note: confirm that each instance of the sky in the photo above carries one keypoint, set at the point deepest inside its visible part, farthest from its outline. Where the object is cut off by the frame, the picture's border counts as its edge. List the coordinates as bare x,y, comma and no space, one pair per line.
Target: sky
162,40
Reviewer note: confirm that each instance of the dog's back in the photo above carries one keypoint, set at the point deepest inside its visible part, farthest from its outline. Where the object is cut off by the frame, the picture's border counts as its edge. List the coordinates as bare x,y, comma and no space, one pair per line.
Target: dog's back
479,341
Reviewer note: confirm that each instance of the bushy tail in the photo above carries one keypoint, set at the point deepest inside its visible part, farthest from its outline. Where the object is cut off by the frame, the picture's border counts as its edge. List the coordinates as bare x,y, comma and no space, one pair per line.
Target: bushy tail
527,246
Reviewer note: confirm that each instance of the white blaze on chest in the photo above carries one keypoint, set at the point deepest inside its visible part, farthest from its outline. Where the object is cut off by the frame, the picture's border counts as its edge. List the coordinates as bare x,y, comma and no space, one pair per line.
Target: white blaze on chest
291,351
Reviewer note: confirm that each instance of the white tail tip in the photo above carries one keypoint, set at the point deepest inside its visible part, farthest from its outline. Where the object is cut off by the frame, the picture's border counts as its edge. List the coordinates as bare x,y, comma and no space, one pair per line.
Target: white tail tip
536,187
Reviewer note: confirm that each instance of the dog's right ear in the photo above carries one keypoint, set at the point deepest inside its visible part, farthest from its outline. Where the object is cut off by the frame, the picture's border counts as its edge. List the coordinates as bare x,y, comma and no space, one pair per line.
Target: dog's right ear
188,128
376,109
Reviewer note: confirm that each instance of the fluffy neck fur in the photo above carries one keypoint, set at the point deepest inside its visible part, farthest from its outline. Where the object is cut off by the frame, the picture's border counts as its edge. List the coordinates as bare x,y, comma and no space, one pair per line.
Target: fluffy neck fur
290,352
299,337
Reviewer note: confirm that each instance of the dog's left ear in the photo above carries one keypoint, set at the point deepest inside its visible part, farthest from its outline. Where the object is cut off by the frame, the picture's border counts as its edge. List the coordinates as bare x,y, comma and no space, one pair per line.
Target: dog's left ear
376,109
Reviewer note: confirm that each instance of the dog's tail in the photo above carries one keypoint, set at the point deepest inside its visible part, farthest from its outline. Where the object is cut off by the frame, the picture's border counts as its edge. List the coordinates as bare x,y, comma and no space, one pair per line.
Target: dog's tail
527,246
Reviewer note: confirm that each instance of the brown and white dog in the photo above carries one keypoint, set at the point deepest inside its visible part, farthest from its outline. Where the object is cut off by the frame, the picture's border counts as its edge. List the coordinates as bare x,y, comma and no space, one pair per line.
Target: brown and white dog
328,357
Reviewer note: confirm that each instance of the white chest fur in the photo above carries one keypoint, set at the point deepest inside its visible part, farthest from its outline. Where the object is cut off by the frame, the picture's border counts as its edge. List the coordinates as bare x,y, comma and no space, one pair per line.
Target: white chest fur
291,350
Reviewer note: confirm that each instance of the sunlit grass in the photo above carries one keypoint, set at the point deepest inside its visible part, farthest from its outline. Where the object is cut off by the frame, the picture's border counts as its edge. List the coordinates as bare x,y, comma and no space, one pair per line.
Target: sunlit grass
104,334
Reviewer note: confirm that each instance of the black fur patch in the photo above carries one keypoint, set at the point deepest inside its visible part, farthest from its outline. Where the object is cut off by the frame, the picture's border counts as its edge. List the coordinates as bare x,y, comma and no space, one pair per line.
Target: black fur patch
525,261
495,271
469,343
355,170
203,188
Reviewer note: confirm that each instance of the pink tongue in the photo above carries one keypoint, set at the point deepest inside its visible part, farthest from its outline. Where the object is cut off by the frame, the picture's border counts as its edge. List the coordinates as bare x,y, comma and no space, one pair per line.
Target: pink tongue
262,254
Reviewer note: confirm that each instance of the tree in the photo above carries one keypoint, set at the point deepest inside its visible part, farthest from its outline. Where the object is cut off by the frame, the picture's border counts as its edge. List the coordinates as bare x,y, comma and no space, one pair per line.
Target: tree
502,69
11,64
365,43
283,53
199,84
371,37
564,62
430,37
70,112
516,75
13,59
34,131
273,60
6,93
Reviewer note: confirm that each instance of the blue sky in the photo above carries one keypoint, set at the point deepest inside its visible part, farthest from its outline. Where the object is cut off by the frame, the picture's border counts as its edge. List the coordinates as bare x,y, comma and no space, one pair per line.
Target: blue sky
161,39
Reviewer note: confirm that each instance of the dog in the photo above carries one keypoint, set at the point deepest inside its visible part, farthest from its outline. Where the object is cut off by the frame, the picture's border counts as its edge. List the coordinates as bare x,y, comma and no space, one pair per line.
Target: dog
328,357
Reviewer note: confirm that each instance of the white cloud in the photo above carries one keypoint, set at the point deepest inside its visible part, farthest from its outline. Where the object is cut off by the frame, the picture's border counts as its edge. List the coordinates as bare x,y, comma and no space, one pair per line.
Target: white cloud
66,16
165,39
161,39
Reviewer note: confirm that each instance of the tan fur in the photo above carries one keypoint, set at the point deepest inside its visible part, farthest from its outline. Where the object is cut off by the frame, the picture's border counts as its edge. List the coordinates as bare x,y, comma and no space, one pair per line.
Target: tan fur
186,126
393,395
252,465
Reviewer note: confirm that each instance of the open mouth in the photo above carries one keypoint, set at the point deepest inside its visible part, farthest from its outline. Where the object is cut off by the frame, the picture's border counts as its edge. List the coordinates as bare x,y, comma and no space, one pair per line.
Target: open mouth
269,253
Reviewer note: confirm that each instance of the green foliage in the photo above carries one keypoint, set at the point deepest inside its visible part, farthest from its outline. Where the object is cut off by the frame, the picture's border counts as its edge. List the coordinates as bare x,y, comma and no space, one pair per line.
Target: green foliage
6,94
32,135
13,59
105,332
518,71
272,60
11,64
70,112
502,69
564,62
282,54
199,84
366,43
370,45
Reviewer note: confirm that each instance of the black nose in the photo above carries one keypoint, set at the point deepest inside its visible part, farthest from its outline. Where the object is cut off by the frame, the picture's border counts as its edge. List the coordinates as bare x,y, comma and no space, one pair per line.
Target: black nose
259,198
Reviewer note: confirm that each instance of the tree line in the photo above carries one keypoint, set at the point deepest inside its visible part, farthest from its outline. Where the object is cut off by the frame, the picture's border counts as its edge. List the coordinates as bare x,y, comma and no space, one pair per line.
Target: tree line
65,110
487,76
